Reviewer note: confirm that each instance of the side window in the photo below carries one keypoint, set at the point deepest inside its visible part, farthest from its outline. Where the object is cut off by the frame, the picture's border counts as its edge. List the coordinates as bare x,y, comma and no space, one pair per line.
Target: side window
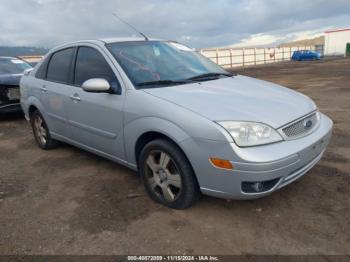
41,73
91,64
59,67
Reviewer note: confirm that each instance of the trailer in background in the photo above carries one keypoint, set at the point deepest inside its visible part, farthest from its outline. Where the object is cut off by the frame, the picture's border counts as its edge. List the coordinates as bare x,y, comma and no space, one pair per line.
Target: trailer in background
31,59
337,42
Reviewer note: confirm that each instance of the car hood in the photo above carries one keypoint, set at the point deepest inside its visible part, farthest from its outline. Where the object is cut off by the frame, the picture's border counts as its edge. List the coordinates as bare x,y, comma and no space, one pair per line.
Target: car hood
239,98
10,79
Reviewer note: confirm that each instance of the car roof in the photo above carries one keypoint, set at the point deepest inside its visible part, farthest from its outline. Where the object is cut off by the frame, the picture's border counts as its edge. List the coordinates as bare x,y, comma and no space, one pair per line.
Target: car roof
111,40
125,39
102,42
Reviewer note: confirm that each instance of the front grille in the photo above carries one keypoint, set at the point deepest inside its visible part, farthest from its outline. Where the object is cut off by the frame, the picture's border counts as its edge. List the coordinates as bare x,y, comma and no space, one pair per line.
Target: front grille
301,127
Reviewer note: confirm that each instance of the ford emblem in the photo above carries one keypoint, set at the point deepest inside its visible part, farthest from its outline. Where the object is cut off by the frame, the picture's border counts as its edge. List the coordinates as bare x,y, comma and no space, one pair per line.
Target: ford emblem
307,124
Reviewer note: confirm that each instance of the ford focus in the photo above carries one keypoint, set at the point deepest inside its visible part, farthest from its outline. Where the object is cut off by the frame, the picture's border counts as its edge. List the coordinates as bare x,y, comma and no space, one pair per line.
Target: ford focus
185,124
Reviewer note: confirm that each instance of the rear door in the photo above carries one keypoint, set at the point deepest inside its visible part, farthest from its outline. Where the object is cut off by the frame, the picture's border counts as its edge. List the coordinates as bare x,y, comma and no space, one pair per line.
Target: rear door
54,88
96,119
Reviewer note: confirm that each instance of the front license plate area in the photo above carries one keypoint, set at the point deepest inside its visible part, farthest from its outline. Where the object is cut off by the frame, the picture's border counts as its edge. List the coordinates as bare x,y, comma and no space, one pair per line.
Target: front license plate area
13,93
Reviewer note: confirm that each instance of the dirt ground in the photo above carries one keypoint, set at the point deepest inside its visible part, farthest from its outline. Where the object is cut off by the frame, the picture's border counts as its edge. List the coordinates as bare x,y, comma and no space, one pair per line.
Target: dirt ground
67,201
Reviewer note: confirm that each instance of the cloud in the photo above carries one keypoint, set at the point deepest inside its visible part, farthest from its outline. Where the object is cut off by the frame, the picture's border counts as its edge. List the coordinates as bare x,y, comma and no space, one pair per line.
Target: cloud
197,23
270,40
257,40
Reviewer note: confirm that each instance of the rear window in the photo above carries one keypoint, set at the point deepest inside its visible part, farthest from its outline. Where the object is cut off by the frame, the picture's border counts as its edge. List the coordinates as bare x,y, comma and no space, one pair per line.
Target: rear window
59,68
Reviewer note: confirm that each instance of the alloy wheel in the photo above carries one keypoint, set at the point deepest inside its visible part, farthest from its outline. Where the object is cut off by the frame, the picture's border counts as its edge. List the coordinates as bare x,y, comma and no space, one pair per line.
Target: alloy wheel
40,130
163,176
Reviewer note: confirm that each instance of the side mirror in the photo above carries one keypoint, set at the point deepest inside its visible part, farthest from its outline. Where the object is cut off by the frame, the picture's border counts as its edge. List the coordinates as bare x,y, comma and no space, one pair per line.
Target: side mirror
27,71
115,86
96,85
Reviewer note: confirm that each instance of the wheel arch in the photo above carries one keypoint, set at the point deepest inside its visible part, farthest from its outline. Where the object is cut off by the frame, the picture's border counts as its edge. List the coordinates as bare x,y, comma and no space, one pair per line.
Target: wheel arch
139,132
31,110
33,104
149,136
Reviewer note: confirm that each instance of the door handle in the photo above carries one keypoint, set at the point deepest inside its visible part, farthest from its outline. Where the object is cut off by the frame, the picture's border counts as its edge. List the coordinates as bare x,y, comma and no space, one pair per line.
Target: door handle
43,88
75,98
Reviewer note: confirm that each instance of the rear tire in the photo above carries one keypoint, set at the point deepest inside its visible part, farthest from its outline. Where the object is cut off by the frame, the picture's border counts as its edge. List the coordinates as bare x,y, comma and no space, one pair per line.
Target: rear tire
167,175
41,132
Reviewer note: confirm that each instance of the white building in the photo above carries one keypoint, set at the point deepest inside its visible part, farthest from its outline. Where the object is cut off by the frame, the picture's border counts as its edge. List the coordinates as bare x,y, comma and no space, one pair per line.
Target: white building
337,42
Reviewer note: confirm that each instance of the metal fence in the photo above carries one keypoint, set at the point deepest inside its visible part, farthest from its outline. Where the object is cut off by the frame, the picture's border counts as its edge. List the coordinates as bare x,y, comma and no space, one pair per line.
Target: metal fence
239,57
234,57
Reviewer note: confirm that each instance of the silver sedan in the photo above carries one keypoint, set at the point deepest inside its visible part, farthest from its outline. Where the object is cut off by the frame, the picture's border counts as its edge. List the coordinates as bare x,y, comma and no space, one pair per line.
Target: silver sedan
187,125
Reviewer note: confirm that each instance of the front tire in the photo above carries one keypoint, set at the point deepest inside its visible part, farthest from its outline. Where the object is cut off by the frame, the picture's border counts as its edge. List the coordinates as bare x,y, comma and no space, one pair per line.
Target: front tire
167,175
41,132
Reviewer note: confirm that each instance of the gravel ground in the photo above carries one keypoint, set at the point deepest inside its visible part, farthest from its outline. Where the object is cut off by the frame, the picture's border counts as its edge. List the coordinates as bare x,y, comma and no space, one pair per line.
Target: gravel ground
67,201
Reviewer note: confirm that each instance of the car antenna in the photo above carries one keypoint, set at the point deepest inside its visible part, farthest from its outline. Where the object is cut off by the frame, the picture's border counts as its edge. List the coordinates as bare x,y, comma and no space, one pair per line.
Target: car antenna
120,19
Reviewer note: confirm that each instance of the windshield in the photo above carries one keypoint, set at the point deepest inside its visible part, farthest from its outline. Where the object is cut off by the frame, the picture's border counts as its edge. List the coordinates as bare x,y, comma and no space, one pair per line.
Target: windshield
13,66
161,63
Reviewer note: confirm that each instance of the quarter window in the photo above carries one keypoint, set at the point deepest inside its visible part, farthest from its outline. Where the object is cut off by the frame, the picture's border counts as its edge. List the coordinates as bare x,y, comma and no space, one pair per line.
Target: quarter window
60,65
91,64
41,72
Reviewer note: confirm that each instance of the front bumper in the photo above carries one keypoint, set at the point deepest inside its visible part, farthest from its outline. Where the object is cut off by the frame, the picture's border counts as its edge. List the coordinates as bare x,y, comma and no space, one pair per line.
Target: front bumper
9,103
278,164
10,108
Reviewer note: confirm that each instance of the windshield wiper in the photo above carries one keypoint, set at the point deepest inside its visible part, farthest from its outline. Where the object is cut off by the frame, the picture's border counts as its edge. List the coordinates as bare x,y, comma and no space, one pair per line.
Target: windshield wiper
163,82
179,82
209,76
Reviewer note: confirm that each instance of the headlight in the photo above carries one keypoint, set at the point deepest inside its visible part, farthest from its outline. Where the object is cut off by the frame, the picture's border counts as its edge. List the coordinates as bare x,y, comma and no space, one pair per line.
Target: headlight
250,133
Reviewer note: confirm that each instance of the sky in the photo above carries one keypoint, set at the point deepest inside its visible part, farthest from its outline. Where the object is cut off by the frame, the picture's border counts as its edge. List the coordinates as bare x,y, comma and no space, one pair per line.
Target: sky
197,23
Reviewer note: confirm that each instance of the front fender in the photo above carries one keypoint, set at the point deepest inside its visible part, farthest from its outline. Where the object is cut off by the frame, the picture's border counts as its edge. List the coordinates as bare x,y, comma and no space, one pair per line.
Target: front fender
140,126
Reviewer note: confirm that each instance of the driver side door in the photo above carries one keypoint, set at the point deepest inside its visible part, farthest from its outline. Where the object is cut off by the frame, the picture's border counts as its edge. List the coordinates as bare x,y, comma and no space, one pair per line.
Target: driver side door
96,119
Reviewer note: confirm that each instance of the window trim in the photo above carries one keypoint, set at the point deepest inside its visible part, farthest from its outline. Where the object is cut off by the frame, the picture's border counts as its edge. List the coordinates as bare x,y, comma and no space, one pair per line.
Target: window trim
105,54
